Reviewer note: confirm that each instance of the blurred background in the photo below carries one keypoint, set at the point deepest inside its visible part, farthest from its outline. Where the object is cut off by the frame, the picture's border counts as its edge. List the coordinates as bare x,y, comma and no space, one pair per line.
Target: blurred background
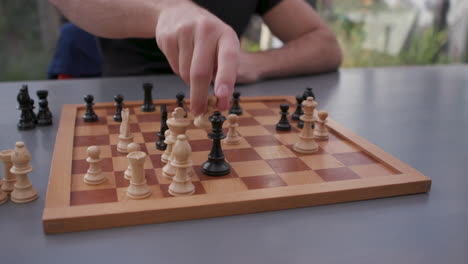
372,33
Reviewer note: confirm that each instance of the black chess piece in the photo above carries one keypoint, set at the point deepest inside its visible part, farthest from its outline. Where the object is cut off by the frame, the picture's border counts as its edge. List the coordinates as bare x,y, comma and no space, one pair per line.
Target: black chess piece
160,143
216,165
118,107
148,105
283,124
90,115
180,101
298,111
300,124
44,116
235,108
26,121
308,92
32,111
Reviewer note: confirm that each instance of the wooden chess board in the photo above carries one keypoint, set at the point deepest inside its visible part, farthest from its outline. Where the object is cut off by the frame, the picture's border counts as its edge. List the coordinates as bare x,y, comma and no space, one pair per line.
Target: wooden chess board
266,174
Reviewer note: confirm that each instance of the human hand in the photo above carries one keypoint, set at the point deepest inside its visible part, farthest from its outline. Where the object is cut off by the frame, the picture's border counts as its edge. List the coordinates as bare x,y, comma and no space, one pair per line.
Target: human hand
200,48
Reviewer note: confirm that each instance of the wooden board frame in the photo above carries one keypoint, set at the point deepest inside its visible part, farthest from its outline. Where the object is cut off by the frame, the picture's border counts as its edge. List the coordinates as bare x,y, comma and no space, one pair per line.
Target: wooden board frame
59,216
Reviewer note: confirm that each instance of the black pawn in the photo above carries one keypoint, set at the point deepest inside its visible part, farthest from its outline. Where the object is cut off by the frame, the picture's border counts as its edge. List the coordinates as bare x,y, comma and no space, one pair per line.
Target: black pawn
283,124
118,107
298,111
160,143
90,115
26,121
180,101
216,165
148,105
44,116
235,108
308,92
32,111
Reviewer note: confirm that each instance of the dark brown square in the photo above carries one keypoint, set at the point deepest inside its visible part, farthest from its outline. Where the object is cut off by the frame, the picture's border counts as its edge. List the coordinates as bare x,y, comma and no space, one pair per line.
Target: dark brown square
102,120
264,181
115,129
115,153
199,189
93,197
151,178
261,112
81,166
120,181
245,154
148,118
287,165
85,141
354,158
337,174
149,136
247,121
156,161
262,141
204,177
272,129
201,144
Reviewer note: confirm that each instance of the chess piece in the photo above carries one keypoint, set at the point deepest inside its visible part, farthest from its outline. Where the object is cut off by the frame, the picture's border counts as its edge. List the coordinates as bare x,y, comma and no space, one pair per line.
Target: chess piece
298,111
94,175
235,108
44,116
178,126
3,196
180,101
125,136
131,148
321,131
148,105
216,165
283,124
181,183
161,134
118,107
27,118
232,137
306,143
90,115
32,111
9,179
138,188
308,92
202,121
23,191
169,143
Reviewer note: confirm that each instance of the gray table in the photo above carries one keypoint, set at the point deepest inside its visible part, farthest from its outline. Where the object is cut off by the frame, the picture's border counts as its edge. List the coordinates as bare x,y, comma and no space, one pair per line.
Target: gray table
418,114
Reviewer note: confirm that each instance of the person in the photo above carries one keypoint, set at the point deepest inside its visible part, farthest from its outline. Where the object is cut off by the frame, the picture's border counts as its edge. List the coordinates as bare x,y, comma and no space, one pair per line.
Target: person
200,40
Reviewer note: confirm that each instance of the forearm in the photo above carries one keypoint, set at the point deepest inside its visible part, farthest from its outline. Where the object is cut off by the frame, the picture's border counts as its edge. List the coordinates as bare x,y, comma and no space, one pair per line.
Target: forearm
115,18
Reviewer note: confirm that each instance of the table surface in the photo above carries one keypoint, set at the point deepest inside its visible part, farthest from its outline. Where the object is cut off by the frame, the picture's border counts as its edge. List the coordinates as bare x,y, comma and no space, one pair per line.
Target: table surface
418,114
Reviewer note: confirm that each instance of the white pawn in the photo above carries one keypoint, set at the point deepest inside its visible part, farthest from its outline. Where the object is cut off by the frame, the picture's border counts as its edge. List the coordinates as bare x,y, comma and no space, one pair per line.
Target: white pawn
9,178
94,175
125,136
203,121
181,183
232,137
138,188
321,131
131,147
178,126
306,143
169,142
23,191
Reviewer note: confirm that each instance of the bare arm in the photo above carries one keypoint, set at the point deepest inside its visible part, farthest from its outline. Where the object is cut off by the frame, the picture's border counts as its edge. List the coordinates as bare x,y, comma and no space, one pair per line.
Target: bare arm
310,46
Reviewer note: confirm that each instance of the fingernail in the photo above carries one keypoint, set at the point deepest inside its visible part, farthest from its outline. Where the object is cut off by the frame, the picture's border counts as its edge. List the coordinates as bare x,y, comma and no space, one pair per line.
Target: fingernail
222,91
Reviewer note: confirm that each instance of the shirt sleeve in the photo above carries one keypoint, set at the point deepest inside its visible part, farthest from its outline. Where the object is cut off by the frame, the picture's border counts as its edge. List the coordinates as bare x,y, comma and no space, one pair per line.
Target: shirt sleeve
263,6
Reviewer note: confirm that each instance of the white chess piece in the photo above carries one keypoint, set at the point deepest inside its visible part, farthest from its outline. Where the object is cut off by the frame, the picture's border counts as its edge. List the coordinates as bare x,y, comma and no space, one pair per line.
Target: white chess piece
94,175
138,188
181,161
125,136
23,191
232,137
9,179
178,126
321,131
131,147
203,121
306,143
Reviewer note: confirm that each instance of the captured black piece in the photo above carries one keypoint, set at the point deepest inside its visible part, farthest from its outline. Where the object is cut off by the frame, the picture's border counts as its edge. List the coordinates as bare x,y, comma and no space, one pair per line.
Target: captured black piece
44,116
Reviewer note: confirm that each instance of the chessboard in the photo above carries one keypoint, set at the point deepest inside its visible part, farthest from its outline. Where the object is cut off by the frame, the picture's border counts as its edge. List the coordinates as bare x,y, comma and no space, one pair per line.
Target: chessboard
266,174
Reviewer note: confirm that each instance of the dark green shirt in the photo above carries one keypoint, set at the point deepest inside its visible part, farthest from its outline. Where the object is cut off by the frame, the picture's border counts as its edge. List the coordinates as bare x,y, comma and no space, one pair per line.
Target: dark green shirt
122,57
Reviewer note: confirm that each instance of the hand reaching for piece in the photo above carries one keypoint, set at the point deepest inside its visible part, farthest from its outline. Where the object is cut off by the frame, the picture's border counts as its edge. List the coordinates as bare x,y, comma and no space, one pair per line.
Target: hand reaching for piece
199,47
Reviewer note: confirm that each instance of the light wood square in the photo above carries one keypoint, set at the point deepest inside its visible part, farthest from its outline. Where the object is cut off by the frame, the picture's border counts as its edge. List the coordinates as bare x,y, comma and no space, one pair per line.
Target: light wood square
150,126
137,138
80,153
224,186
152,150
164,180
91,130
199,157
318,162
121,163
301,177
156,193
288,138
243,144
253,105
196,134
274,152
252,168
246,131
372,170
78,184
338,146
268,120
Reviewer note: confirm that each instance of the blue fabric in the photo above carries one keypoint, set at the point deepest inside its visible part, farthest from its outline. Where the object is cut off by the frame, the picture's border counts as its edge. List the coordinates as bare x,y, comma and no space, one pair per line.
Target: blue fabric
76,54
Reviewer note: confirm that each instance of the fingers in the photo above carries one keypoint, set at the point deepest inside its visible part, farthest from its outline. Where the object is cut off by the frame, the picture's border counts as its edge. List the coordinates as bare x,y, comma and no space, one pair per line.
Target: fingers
227,67
169,46
185,53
